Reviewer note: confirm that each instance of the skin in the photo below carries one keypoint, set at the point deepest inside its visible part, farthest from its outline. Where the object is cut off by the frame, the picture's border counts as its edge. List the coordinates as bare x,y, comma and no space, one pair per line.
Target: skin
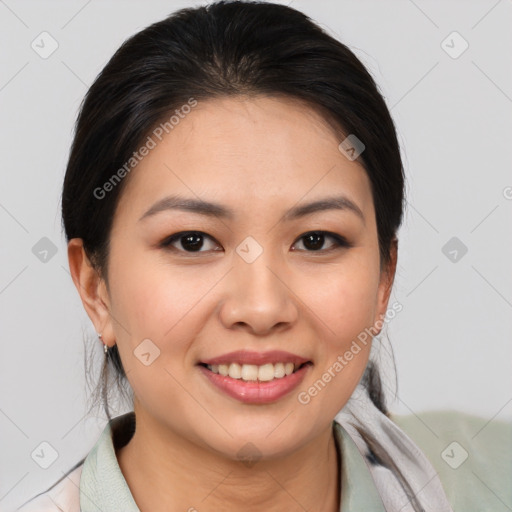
259,156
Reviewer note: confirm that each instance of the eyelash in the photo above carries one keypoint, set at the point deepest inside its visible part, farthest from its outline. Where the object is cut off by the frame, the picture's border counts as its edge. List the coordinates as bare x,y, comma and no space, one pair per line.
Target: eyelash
339,241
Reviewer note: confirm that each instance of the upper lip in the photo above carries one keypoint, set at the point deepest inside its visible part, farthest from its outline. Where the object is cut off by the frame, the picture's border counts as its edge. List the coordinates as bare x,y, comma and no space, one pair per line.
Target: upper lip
257,358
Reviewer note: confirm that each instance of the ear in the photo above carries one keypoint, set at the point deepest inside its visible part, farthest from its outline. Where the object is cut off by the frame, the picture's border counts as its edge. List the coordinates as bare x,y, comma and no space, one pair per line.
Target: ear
387,277
92,290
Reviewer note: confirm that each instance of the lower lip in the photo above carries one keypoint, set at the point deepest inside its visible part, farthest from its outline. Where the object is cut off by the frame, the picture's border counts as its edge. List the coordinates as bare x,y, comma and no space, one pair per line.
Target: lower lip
255,392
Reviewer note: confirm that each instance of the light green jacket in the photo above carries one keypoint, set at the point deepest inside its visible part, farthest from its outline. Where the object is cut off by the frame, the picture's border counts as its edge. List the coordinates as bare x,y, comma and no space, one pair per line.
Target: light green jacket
472,456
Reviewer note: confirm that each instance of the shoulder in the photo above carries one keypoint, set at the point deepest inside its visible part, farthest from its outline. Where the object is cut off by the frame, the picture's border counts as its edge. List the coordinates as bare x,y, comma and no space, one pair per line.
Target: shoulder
472,455
63,496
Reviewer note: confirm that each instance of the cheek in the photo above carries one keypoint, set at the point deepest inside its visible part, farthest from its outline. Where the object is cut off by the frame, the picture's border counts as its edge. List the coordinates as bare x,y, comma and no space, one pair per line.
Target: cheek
345,301
156,301
136,296
153,302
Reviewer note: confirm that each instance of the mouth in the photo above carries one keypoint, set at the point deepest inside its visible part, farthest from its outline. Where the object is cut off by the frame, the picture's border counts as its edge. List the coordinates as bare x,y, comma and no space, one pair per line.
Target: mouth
253,377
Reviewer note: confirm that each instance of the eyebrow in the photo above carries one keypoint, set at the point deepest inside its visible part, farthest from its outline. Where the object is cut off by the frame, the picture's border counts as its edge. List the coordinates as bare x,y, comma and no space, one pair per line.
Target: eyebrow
211,209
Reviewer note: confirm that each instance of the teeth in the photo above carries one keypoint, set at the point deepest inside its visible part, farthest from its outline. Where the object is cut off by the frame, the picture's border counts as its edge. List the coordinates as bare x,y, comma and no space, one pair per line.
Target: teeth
266,372
249,371
288,368
252,372
279,370
235,371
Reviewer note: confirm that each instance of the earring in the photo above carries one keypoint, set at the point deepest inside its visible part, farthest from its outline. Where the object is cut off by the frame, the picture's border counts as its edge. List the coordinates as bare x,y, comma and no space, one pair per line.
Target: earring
105,346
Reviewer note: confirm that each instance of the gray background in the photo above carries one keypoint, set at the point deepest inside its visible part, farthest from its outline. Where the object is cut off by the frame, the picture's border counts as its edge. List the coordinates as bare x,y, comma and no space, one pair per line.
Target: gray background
452,338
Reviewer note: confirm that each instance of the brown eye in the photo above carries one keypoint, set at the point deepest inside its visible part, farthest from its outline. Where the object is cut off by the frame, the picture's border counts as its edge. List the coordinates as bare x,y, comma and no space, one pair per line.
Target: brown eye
315,240
187,241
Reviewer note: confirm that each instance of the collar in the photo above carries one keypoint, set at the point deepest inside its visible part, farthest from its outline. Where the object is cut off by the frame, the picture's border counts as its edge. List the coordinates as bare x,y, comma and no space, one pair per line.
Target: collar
103,486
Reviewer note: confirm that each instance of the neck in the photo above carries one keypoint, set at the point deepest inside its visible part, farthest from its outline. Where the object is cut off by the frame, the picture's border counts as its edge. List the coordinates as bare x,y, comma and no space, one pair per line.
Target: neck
168,472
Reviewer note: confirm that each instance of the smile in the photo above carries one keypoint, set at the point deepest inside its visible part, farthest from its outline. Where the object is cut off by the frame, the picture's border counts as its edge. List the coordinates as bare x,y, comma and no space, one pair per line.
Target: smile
255,377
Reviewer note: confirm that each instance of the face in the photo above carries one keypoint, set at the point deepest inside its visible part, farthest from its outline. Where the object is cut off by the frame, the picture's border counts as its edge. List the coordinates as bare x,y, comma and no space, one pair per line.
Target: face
259,274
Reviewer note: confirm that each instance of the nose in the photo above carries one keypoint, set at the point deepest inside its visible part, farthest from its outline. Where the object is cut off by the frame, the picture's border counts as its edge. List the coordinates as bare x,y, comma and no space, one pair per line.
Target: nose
259,298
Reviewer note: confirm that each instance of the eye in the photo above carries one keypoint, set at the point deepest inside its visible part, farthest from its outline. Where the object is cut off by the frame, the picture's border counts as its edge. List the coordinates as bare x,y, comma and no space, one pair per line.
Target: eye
314,240
190,241
194,241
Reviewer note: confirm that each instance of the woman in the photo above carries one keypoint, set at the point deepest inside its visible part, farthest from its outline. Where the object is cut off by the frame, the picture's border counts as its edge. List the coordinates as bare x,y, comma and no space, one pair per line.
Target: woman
231,205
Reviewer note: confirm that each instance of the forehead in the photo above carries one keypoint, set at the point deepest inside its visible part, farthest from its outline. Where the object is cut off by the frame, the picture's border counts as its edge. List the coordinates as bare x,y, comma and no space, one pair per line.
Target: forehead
258,152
